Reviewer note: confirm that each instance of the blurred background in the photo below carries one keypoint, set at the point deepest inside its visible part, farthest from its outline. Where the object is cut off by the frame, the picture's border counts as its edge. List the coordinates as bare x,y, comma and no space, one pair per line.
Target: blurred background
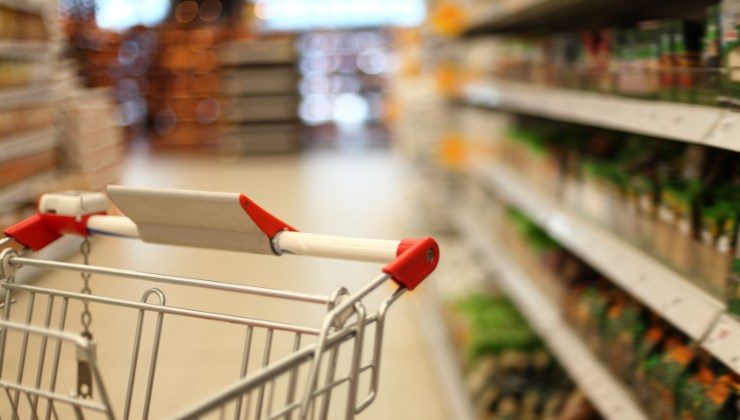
577,160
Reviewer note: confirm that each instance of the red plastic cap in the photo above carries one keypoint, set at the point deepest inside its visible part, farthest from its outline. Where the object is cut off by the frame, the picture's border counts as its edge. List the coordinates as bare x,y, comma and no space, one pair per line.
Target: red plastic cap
267,223
33,233
40,230
417,259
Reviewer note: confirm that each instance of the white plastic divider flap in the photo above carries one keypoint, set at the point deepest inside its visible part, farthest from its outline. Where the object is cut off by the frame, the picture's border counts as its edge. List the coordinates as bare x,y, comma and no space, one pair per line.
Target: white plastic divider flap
200,219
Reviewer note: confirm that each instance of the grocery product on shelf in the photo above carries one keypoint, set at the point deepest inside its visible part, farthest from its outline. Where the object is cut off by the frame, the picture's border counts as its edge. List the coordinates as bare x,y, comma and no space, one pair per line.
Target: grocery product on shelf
259,82
729,12
679,59
668,373
184,102
21,25
676,201
510,374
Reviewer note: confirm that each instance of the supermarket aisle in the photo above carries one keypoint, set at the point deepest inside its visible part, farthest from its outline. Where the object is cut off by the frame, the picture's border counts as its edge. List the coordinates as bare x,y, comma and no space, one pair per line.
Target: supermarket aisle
347,193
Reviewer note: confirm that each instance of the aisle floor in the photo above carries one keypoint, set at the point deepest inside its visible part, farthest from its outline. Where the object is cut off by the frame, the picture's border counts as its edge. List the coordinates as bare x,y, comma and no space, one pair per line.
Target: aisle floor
348,193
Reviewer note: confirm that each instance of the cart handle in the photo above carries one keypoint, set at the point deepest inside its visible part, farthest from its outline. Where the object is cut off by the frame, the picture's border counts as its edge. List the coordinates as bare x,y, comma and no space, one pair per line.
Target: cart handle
215,221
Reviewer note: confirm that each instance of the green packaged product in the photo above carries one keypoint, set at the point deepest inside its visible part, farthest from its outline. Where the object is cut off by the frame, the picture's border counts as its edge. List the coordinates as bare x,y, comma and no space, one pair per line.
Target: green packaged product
687,46
646,354
667,60
729,15
709,392
666,370
709,78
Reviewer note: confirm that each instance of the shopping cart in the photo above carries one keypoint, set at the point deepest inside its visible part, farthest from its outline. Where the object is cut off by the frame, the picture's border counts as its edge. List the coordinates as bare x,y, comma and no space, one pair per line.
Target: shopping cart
48,369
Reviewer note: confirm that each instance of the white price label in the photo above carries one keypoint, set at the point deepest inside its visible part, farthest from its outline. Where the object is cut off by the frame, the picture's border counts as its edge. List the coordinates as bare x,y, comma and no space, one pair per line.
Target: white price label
724,341
726,133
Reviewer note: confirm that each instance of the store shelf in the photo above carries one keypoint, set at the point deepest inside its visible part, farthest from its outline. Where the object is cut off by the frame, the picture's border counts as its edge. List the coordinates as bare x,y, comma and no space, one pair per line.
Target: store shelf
495,16
441,349
538,15
689,123
17,97
666,292
27,144
14,48
25,191
606,392
23,5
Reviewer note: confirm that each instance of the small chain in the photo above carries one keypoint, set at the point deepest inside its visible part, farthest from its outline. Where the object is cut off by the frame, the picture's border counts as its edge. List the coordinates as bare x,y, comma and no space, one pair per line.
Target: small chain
86,315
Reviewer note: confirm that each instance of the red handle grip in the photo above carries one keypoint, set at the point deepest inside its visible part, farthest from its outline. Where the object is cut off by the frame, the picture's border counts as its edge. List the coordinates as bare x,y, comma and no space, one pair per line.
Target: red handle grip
417,259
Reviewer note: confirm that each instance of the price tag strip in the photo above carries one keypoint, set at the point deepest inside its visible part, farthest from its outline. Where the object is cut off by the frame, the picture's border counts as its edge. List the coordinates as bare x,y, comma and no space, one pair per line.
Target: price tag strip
604,390
689,123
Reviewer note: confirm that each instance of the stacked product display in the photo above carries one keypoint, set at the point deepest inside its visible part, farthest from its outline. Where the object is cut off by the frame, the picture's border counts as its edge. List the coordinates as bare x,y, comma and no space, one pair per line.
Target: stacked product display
28,138
183,87
93,141
259,82
344,78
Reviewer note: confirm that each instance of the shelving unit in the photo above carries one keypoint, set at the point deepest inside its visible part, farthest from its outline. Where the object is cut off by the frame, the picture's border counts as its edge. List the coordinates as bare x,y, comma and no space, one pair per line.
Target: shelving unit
22,48
442,351
689,123
519,15
23,5
259,84
604,391
687,307
17,97
43,90
27,144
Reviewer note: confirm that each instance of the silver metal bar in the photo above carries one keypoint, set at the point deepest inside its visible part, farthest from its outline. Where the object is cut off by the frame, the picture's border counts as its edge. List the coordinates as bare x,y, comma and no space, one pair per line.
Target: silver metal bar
42,351
33,406
169,309
265,362
330,374
57,356
78,412
154,351
244,368
162,278
247,406
293,377
284,412
292,361
10,400
2,304
24,346
329,386
325,328
353,376
3,332
98,378
61,398
135,356
378,347
6,240
270,397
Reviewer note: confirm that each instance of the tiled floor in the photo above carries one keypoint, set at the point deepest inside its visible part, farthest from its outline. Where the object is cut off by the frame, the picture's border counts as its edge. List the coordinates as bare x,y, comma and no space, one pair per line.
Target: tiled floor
351,193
